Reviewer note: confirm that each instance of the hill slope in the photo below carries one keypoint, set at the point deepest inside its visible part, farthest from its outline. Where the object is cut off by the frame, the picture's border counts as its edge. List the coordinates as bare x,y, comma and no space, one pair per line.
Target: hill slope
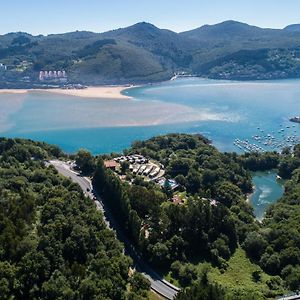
144,53
54,244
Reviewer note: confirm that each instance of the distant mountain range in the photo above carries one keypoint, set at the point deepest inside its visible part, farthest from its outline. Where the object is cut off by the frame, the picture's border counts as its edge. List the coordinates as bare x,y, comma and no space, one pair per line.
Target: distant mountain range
144,53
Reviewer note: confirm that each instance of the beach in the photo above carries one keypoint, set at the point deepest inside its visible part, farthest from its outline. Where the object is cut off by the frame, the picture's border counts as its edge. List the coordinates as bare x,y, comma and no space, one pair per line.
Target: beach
105,92
13,91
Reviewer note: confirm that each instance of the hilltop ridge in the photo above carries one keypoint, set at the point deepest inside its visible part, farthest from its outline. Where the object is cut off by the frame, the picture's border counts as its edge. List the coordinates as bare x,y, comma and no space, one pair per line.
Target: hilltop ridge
143,53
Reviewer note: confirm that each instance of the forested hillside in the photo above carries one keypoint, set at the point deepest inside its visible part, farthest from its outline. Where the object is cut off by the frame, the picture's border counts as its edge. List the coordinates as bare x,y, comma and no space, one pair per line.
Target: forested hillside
211,240
53,242
143,53
204,173
276,246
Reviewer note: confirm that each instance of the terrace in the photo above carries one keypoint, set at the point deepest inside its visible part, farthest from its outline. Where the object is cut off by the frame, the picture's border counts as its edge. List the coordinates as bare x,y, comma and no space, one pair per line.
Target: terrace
142,166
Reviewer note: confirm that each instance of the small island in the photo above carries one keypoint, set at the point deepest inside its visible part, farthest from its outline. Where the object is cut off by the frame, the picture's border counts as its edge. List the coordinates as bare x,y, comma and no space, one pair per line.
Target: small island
295,119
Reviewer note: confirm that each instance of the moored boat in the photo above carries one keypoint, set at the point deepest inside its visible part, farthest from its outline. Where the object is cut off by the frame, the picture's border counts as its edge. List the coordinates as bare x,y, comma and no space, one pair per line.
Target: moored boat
295,119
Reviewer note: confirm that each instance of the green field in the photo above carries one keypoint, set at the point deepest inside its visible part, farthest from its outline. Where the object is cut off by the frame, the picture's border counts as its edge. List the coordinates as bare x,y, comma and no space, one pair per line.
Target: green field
238,276
154,296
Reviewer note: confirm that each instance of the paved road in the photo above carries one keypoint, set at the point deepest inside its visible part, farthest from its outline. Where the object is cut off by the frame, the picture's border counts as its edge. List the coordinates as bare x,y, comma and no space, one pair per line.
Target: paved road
158,284
294,297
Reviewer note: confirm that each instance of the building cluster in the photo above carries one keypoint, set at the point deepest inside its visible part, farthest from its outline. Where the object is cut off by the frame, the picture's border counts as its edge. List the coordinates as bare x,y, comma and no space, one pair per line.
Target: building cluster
138,165
53,75
151,171
148,169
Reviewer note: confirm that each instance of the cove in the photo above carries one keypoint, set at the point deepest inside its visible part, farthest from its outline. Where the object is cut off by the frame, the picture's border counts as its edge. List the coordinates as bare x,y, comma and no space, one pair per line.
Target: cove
267,190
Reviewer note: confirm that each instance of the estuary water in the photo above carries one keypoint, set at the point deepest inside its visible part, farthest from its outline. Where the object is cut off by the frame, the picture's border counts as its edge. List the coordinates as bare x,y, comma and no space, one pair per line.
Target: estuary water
231,114
221,110
267,191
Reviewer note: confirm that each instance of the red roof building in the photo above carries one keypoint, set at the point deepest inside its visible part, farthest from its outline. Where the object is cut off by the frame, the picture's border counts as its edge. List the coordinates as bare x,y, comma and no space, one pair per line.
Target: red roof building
110,164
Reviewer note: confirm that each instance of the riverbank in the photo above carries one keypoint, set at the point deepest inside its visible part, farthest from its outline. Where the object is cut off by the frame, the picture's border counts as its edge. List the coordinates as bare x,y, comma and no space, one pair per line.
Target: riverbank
104,92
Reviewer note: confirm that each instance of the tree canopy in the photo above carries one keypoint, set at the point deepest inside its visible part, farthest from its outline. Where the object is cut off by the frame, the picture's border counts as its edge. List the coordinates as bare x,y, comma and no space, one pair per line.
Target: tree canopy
54,244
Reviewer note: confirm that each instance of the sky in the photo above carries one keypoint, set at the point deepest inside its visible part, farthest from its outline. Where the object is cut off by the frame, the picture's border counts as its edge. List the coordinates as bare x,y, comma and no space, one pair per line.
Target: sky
57,16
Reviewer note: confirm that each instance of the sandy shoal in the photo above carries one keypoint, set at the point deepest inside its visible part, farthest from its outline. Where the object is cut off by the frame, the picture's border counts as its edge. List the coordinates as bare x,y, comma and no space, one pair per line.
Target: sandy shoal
13,91
110,92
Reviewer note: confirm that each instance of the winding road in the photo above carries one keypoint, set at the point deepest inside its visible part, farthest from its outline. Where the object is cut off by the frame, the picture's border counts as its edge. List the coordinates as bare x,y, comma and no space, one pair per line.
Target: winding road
158,284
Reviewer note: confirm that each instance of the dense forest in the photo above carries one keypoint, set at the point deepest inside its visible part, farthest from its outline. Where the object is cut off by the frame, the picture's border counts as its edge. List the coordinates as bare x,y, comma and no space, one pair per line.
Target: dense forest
216,221
259,64
143,53
276,246
54,244
204,173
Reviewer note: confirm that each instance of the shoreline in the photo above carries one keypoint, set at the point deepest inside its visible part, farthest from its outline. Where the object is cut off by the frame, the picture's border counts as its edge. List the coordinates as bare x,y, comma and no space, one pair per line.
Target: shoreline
250,195
116,92
103,92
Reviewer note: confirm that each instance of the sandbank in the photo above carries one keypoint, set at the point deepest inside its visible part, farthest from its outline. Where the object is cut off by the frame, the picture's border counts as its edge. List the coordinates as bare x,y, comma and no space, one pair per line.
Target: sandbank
106,92
13,91
109,92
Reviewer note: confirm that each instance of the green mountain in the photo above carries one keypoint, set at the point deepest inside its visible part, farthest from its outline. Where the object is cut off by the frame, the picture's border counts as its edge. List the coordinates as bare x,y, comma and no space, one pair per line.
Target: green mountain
229,40
172,47
256,64
226,31
143,53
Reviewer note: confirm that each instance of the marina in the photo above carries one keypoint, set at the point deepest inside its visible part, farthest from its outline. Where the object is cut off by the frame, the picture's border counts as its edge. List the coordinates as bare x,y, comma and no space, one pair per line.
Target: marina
262,141
295,119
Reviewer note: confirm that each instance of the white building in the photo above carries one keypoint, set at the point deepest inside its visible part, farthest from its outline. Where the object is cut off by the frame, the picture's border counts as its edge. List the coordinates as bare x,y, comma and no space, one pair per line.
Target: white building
3,67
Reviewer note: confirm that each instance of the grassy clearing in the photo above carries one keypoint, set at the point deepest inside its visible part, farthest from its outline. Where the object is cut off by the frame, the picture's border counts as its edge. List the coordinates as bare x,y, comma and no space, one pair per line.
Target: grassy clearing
238,276
153,296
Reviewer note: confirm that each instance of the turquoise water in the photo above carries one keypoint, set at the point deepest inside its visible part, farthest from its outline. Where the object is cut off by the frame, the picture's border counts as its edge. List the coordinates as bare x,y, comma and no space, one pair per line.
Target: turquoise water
221,110
240,107
267,191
